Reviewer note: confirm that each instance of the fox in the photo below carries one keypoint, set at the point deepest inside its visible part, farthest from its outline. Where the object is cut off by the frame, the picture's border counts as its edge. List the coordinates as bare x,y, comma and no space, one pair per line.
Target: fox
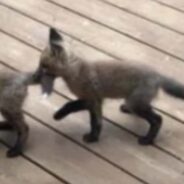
13,91
93,82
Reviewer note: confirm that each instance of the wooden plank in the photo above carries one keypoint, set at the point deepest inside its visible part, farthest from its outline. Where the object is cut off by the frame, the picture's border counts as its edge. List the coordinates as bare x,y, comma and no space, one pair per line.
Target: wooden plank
178,4
36,34
102,38
129,24
125,139
154,11
115,144
134,158
21,171
67,159
34,58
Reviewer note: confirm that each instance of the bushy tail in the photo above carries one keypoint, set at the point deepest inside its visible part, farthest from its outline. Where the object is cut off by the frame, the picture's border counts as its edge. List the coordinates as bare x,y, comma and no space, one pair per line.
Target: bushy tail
173,87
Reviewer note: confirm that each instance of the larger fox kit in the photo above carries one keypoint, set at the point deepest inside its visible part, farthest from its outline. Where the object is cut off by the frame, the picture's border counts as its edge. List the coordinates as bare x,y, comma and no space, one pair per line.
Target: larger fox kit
92,82
13,90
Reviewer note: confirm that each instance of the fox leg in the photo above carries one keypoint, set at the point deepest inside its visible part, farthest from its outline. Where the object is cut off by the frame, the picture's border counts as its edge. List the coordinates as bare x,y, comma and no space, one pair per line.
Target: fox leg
154,120
95,111
70,107
139,103
17,121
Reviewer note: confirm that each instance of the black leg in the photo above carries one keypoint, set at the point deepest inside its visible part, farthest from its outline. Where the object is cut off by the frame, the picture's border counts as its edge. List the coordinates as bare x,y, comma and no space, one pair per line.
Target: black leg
153,119
70,107
17,149
96,124
17,121
5,125
125,109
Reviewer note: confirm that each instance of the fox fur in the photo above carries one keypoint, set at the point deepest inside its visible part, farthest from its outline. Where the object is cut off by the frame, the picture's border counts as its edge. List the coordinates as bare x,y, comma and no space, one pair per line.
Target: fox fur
13,91
92,82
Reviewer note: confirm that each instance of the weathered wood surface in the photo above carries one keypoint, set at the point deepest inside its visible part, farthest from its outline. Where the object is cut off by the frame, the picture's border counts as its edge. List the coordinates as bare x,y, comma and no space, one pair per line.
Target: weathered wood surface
152,10
57,146
21,171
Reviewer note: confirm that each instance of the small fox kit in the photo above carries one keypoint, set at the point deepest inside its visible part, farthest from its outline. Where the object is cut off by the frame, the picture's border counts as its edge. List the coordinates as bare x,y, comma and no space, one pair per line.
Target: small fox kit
91,82
13,90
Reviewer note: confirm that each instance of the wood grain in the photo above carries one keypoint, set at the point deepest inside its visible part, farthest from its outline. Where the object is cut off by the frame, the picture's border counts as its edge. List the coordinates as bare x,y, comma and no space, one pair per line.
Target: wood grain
152,10
21,171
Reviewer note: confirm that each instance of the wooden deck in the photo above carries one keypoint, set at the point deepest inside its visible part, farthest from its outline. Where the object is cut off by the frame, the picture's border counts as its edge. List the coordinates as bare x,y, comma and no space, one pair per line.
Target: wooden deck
146,31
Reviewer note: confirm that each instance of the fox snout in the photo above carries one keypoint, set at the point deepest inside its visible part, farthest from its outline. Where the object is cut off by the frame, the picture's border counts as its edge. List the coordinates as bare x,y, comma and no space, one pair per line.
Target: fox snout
45,79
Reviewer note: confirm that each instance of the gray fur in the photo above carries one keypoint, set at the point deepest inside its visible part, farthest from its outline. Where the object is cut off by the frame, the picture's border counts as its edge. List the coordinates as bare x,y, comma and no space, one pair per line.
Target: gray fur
13,91
94,81
110,79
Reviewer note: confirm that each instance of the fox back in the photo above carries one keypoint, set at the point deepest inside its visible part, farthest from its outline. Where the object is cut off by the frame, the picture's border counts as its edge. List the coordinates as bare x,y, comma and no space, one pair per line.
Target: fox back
98,79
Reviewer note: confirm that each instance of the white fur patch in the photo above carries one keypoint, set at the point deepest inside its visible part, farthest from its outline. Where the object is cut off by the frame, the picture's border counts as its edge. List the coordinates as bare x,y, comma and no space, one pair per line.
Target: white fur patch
45,96
47,103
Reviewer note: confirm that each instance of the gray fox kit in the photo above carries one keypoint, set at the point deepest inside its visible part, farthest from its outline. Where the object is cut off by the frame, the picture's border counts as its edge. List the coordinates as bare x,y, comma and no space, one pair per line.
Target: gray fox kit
13,90
91,82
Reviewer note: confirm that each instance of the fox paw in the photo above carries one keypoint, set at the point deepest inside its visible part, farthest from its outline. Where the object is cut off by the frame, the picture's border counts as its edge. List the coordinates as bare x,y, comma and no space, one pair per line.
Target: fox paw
145,141
13,152
88,138
56,116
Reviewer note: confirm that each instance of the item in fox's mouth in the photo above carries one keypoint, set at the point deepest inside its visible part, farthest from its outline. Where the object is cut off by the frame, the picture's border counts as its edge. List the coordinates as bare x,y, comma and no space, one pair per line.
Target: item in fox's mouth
45,95
47,84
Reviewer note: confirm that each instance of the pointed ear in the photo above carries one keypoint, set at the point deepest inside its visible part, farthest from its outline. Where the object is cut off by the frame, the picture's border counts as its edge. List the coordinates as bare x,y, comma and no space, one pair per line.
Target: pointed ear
54,39
54,36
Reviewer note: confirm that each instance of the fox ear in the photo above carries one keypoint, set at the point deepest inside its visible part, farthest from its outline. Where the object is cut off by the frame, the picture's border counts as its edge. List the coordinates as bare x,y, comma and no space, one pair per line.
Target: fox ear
54,36
54,39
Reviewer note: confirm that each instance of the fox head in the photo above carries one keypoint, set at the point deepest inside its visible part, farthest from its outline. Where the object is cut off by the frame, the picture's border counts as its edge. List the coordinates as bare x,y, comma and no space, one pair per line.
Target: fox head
53,60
